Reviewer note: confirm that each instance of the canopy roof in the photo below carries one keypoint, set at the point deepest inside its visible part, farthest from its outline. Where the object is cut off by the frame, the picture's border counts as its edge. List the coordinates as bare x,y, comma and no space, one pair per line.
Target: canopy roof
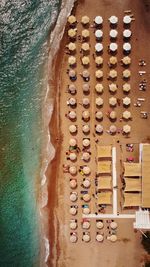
104,182
104,198
133,184
145,176
132,199
104,167
132,169
104,152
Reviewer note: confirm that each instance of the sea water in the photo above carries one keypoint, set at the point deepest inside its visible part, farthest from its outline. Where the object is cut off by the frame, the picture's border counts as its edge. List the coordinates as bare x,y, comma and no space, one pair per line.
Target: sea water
24,43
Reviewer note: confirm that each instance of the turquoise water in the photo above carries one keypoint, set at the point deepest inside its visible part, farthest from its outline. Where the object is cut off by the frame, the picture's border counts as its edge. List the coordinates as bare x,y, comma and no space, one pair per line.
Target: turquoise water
25,27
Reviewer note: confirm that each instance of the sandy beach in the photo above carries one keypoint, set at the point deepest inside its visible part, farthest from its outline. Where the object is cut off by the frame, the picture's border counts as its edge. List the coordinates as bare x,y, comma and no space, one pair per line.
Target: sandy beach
127,249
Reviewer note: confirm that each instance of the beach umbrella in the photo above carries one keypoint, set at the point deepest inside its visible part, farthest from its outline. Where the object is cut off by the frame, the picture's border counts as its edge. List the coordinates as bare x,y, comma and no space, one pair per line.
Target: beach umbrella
126,74
112,101
85,33
86,87
86,170
85,73
127,33
127,19
73,169
98,47
86,142
112,87
72,19
113,19
113,60
99,225
112,115
98,115
72,128
126,87
71,60
72,46
126,114
86,156
112,129
73,197
113,33
73,225
99,101
99,74
73,238
126,101
85,114
86,197
99,237
86,211
99,128
72,115
86,128
85,47
98,34
113,47
72,88
86,238
113,74
85,60
99,88
99,60
72,73
86,183
85,101
98,20
113,225
86,225
73,183
126,60
73,211
73,142
85,20
72,33
72,101
113,238
127,47
73,156
126,128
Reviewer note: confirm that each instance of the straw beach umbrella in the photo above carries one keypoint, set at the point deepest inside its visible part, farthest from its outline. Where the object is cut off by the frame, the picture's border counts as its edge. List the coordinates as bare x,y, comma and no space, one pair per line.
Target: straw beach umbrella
72,142
85,20
113,33
86,183
86,128
72,46
113,60
72,73
112,101
98,20
126,74
86,142
72,115
85,60
86,210
73,197
86,114
127,33
126,101
113,47
72,128
126,87
85,73
73,225
86,225
99,225
72,33
99,237
73,156
71,60
113,225
99,115
86,87
126,114
73,238
72,101
99,88
85,33
85,101
113,238
113,115
113,129
72,19
99,128
99,47
72,89
86,238
126,60
73,183
98,34
127,19
73,170
86,197
86,170
99,61
126,128
98,74
86,156
113,74
99,101
85,47
112,87
73,211
113,20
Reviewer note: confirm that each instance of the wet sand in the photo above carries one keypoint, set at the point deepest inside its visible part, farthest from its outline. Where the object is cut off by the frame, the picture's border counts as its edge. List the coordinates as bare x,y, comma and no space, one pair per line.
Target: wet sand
127,248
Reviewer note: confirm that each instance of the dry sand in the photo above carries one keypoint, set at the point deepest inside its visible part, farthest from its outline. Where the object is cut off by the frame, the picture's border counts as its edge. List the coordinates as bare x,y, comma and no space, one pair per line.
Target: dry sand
127,250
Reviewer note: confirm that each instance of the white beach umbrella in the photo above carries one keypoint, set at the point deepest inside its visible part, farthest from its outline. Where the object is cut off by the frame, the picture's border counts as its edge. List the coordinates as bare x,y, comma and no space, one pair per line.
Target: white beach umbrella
85,101
86,114
99,47
99,128
73,156
85,20
127,33
112,74
86,183
86,210
126,101
72,142
72,19
126,128
112,115
73,197
113,20
86,225
73,211
98,33
86,156
126,47
112,87
113,129
113,47
72,73
86,238
72,128
99,115
86,142
86,128
86,87
99,101
99,237
86,197
73,170
127,19
98,20
72,114
126,74
126,87
73,183
126,114
113,225
85,73
72,88
113,33
72,101
86,170
99,60
73,238
98,74
99,225
99,88
112,101
73,225
113,238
